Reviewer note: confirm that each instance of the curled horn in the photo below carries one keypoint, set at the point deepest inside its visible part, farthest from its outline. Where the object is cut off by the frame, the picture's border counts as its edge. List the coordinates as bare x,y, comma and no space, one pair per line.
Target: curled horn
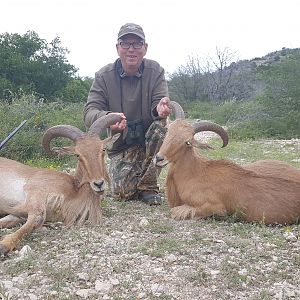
210,126
67,131
177,110
104,122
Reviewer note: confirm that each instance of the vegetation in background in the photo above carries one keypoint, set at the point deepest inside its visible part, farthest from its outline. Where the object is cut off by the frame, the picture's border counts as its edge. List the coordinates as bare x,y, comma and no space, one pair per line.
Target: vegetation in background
26,144
274,111
31,65
249,120
254,99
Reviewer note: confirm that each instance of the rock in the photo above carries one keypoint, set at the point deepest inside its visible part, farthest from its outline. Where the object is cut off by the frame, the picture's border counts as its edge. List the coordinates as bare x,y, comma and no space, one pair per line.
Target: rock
144,222
83,276
25,251
290,236
171,258
214,272
83,293
157,288
103,287
114,281
141,296
243,272
7,284
32,297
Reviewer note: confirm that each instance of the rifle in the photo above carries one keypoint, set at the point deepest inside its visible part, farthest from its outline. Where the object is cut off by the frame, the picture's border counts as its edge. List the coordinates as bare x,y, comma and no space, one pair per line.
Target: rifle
12,134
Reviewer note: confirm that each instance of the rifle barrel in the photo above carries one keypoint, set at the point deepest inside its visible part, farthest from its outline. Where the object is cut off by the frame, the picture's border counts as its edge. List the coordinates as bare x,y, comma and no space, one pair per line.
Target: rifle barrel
12,134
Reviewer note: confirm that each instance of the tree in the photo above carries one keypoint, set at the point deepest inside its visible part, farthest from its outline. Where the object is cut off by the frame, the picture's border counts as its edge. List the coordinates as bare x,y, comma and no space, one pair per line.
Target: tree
76,90
187,82
219,72
29,63
206,79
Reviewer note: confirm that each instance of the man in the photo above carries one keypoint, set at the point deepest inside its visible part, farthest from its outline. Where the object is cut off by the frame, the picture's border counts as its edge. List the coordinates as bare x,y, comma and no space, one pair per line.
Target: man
134,88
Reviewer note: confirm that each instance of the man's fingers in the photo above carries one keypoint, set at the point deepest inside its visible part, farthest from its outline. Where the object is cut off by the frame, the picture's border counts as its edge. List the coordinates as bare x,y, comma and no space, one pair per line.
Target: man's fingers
165,101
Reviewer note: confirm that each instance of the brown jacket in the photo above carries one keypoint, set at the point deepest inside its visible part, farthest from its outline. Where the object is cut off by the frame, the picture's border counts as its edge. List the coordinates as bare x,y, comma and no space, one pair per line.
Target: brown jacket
135,96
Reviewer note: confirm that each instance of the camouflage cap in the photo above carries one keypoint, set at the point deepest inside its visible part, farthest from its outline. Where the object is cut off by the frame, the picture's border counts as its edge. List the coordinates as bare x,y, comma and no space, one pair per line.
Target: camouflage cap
131,28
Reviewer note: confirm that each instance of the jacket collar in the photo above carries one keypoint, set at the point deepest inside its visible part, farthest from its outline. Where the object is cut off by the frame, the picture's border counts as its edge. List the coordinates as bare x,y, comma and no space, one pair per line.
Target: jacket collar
123,74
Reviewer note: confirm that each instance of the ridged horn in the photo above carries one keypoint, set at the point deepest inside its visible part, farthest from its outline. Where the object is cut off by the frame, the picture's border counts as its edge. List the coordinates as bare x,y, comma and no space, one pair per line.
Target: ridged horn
210,126
104,122
177,110
67,131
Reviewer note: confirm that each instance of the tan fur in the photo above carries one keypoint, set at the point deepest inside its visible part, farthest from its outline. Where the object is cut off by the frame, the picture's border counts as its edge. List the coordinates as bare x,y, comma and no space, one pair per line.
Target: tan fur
265,191
34,195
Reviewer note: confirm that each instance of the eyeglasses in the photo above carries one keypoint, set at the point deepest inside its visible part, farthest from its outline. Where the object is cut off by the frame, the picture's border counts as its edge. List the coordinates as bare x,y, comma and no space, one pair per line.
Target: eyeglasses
135,45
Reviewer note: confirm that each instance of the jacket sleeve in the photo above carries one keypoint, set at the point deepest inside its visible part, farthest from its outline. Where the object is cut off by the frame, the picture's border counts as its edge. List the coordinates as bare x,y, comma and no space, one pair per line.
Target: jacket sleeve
160,90
97,101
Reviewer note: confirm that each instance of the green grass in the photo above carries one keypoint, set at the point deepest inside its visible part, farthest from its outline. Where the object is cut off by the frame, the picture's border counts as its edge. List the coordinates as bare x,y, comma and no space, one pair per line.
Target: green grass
160,228
253,119
160,247
249,151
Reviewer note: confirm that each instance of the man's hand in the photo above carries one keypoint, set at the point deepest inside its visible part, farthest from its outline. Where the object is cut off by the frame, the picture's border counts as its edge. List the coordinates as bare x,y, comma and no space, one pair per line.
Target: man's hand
163,107
119,126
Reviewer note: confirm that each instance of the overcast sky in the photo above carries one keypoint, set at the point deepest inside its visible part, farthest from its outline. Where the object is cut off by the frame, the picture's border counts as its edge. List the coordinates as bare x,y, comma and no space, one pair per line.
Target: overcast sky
174,29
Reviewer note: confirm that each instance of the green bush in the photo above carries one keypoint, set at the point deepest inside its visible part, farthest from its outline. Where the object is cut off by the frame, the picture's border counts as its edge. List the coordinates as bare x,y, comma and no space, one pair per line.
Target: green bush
264,117
259,118
26,144
75,91
211,111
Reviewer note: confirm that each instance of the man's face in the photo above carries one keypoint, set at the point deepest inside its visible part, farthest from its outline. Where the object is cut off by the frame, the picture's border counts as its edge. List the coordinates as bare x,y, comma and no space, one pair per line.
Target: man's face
132,57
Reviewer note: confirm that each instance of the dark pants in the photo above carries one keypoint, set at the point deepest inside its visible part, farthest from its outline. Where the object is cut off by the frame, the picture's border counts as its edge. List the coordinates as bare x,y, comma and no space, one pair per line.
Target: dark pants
133,170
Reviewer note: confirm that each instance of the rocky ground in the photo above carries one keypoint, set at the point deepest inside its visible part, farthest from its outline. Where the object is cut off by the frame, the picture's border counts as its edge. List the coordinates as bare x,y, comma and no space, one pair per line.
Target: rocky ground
139,252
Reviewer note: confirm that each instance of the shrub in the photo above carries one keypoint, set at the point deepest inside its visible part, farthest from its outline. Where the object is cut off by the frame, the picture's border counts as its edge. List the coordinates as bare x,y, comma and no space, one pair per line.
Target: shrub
252,119
26,144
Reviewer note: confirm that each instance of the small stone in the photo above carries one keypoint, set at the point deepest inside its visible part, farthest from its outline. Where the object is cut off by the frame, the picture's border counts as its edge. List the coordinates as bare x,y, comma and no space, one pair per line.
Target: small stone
290,236
141,296
25,251
144,222
243,272
83,293
53,293
7,284
219,241
157,288
32,297
83,276
290,294
214,272
114,281
103,287
171,258
42,229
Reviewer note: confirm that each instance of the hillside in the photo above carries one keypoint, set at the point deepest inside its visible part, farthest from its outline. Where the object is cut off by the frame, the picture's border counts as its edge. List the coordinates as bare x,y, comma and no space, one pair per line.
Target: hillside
246,82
